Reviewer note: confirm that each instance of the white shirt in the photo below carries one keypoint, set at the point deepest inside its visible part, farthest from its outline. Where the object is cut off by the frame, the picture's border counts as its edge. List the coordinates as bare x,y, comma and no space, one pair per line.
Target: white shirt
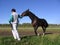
15,17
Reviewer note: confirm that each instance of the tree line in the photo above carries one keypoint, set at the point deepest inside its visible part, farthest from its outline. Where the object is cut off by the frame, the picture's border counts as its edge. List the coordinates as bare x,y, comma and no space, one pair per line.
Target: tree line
25,25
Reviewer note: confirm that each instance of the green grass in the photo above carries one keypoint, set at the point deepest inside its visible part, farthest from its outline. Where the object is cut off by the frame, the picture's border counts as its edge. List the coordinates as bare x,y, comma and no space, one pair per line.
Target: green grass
51,39
30,28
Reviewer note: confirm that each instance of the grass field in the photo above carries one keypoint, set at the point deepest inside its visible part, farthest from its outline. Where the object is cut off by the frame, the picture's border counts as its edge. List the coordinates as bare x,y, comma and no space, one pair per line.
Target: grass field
51,38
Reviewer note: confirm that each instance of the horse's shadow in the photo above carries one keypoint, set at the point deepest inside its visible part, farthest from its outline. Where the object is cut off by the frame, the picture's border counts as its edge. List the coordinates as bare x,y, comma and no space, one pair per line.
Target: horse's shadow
24,37
47,33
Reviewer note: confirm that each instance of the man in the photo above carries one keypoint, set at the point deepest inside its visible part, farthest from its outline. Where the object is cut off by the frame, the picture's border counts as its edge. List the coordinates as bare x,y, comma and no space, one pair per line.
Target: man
14,23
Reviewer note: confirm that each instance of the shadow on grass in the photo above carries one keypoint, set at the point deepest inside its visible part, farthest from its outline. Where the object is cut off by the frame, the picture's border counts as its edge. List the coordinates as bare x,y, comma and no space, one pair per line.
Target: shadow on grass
47,33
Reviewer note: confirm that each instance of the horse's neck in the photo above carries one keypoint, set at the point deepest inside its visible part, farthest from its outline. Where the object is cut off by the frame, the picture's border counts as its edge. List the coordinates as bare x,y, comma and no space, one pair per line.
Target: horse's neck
32,16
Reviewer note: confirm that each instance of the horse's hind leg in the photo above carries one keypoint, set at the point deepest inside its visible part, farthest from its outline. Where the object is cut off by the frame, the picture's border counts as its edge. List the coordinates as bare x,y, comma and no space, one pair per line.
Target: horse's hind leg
44,29
35,29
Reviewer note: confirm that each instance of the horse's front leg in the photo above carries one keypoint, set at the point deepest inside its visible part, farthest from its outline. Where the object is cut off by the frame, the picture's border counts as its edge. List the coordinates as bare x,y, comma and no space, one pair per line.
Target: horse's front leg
35,29
44,29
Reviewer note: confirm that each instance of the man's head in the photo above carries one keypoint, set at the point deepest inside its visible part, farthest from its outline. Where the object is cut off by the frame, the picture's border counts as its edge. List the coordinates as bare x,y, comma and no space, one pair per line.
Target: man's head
13,10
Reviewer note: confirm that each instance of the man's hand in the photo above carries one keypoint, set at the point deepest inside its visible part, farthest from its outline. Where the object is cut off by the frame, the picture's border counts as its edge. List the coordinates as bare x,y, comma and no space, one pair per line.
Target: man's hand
10,22
19,16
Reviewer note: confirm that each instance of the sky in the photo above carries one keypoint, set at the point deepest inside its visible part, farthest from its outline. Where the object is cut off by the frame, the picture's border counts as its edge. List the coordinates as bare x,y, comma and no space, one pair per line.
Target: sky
47,9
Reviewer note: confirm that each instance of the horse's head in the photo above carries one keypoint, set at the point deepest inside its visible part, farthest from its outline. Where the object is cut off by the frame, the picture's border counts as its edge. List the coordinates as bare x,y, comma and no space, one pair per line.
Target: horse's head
25,13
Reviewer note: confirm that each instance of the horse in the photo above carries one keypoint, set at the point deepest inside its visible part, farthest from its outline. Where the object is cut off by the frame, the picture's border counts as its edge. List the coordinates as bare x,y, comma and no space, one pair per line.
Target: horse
36,22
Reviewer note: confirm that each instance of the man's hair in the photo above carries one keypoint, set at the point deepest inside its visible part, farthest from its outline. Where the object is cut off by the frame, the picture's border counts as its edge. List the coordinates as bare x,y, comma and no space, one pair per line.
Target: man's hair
13,10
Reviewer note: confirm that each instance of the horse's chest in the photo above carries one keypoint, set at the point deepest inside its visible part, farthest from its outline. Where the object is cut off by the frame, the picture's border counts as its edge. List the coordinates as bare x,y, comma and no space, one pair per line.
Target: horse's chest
34,22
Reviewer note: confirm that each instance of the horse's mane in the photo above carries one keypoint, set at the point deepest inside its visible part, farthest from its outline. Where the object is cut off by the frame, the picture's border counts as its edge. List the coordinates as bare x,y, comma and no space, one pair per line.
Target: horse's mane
33,14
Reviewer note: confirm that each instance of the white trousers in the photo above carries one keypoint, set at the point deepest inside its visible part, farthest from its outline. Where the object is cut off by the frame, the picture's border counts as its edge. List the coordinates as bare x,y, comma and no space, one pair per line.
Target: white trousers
14,31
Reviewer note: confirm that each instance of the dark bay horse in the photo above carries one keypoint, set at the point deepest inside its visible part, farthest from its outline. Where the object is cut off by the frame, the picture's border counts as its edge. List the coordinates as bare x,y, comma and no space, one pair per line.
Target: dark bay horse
36,22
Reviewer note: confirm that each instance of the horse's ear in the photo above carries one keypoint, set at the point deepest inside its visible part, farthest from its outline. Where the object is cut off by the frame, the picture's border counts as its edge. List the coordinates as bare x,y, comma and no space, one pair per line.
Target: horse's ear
28,9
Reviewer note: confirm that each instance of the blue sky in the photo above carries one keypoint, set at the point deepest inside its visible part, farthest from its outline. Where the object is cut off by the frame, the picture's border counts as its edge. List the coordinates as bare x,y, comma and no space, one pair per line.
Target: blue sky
47,9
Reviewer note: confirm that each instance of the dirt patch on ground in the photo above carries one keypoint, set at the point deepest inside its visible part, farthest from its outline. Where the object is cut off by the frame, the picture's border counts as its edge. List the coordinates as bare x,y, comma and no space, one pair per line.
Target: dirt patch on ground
26,33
